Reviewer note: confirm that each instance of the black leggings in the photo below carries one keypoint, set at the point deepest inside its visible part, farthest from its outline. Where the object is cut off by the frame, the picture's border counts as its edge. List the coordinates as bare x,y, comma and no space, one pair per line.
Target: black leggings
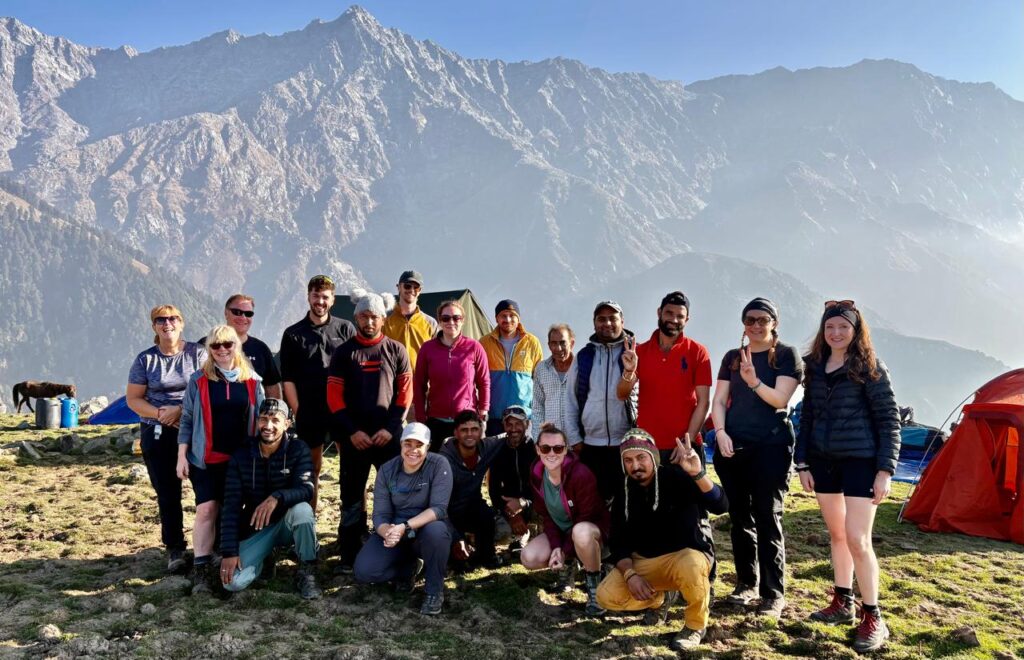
756,480
161,458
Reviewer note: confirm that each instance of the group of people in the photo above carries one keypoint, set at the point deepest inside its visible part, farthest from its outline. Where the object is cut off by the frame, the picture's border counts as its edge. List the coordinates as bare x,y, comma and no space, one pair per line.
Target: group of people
600,453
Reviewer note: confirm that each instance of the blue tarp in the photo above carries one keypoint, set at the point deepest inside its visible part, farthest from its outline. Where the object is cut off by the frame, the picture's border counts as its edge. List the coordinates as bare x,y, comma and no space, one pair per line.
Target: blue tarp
117,412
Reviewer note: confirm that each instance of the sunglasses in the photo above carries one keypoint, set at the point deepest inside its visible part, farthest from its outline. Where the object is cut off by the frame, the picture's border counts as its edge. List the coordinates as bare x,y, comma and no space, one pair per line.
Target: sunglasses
160,320
217,345
241,312
547,449
448,318
762,321
847,304
518,411
409,286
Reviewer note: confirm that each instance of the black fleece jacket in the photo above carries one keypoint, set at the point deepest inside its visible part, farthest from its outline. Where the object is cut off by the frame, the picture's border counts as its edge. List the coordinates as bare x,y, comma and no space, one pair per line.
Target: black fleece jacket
849,419
286,474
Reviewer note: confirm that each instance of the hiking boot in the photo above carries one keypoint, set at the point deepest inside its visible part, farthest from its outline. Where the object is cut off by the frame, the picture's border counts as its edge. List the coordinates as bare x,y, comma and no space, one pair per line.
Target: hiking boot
742,595
592,608
176,561
567,577
871,633
687,639
305,581
432,604
659,615
407,584
772,606
840,610
202,582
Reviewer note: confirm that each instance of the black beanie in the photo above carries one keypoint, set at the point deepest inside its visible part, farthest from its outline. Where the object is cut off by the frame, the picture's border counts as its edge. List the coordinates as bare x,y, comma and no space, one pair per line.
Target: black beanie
761,305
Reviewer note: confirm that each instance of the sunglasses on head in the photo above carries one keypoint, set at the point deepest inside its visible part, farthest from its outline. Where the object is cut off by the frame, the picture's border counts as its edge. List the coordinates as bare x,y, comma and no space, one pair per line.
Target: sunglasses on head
845,304
217,345
547,449
241,312
446,318
762,321
160,320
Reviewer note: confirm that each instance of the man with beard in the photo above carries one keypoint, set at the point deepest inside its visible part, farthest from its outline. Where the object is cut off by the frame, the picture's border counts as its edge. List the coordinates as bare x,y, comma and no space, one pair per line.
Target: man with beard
551,378
657,544
470,456
674,375
597,418
509,484
306,349
369,391
408,324
266,504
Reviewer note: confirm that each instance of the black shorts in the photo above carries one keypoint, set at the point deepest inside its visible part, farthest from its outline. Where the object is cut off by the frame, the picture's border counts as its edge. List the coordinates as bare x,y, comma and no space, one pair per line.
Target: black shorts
208,483
313,434
853,477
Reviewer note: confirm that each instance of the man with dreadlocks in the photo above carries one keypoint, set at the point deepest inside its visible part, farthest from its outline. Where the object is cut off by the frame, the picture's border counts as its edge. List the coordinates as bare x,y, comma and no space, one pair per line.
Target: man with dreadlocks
657,544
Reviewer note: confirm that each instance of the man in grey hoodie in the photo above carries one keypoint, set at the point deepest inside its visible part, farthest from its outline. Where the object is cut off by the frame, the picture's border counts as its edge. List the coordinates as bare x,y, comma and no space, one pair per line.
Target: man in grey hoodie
598,419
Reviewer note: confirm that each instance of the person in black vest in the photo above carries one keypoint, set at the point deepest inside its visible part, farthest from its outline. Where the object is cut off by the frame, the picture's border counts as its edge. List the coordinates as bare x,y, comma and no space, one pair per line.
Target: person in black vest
306,349
369,391
754,452
598,419
238,313
266,504
846,453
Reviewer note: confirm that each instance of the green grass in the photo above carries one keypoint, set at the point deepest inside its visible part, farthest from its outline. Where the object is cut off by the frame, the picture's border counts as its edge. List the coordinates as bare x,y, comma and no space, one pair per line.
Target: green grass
75,531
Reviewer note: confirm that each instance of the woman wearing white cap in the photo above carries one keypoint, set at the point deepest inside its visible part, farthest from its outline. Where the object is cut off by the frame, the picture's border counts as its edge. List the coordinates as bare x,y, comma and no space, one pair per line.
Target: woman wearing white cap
410,505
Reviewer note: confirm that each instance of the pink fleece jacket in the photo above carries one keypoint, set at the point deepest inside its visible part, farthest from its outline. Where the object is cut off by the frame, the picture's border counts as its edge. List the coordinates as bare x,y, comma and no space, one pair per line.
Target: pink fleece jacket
449,380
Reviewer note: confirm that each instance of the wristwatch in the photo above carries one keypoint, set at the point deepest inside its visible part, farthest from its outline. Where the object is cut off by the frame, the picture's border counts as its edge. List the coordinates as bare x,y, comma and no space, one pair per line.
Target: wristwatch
700,475
410,533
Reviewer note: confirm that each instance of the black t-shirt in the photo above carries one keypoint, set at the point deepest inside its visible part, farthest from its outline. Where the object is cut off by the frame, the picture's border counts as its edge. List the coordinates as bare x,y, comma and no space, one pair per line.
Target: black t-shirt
229,409
262,359
305,355
749,419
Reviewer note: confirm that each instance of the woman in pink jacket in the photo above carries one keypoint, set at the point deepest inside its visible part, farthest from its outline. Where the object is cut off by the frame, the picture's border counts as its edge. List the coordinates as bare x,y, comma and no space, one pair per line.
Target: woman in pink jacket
451,376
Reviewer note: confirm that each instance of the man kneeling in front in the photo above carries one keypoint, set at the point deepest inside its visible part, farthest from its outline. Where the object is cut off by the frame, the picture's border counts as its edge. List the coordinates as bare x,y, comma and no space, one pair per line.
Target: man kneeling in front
266,504
656,542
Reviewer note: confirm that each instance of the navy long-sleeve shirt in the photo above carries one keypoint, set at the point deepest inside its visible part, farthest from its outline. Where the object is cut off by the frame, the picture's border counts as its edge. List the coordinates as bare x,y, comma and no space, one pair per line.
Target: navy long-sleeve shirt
399,496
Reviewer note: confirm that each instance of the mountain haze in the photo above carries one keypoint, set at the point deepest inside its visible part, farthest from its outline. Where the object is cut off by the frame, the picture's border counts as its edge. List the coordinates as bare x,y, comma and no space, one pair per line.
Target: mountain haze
252,162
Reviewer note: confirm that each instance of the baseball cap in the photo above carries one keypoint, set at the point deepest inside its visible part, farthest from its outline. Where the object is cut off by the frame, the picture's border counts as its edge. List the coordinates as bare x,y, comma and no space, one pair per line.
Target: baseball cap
611,304
416,431
413,276
516,411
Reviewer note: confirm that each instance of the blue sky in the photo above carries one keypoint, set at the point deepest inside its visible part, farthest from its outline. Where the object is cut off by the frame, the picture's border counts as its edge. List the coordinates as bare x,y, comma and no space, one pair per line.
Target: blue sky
688,40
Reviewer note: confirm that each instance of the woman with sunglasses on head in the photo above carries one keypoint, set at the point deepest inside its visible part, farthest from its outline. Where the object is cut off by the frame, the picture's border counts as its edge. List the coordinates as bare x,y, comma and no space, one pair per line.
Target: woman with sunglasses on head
451,376
846,453
575,519
220,409
754,451
156,386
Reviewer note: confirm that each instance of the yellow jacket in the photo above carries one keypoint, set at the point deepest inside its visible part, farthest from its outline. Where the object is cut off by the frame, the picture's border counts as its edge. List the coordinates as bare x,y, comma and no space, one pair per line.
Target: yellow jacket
412,332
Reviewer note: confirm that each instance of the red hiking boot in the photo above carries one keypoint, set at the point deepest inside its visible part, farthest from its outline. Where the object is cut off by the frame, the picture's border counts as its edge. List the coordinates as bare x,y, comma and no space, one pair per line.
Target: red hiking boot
840,610
871,633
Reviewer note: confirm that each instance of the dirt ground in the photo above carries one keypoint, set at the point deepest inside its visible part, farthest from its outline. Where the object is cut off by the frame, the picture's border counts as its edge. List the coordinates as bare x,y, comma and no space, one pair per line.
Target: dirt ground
82,574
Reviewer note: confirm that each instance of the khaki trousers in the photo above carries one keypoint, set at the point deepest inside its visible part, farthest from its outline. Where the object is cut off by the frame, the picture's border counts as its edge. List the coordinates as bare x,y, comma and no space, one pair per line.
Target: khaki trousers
685,571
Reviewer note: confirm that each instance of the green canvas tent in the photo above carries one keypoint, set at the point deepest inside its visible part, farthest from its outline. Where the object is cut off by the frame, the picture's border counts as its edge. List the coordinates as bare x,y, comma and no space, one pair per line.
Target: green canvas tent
475,325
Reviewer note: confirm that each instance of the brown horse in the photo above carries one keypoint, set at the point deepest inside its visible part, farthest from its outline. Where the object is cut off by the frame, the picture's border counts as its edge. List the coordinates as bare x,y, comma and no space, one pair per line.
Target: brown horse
30,389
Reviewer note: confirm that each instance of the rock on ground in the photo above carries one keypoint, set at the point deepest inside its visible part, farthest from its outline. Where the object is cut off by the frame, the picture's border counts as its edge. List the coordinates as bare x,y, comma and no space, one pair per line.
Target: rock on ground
49,632
122,602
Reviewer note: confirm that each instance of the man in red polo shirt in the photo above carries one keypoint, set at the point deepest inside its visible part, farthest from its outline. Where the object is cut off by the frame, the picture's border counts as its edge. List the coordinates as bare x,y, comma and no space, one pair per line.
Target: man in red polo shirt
675,377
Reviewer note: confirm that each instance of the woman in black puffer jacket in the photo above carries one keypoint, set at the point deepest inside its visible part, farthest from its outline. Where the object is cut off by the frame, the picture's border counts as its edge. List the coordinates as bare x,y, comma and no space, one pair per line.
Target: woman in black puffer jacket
846,453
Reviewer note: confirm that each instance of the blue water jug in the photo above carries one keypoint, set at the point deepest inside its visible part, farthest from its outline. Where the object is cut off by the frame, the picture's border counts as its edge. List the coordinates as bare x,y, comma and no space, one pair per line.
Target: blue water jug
69,413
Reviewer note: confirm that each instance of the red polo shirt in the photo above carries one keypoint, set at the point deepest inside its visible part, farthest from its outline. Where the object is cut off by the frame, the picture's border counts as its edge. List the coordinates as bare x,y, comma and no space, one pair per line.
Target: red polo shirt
668,386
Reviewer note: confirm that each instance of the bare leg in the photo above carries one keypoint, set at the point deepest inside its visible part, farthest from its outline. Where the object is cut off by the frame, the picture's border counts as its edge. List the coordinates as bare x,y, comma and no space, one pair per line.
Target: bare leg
205,528
860,519
536,553
833,510
586,537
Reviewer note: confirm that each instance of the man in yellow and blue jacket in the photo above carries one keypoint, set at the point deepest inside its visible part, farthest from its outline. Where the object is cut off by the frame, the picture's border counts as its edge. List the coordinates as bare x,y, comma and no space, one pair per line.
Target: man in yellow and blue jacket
512,355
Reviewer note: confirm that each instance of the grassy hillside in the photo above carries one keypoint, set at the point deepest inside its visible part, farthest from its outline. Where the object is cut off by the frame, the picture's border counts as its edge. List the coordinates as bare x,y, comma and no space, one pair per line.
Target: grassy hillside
79,549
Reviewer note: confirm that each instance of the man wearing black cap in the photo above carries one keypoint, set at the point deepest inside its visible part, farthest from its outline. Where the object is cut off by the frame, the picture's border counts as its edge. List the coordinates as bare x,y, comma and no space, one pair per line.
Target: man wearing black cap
509,483
674,376
267,492
306,349
512,355
598,418
408,324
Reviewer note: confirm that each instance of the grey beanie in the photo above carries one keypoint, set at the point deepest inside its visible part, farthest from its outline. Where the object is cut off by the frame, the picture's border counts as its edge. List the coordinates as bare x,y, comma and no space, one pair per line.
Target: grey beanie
379,304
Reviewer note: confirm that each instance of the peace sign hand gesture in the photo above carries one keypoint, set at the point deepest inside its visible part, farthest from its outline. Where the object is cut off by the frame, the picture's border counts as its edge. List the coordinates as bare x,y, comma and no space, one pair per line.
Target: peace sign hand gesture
629,357
747,372
686,457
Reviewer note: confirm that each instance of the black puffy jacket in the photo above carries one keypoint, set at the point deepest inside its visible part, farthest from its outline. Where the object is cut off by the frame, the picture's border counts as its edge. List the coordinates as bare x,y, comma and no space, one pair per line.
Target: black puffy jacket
850,420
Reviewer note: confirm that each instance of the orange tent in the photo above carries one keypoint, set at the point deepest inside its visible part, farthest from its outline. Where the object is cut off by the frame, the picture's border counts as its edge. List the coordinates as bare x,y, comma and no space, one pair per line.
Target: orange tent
974,485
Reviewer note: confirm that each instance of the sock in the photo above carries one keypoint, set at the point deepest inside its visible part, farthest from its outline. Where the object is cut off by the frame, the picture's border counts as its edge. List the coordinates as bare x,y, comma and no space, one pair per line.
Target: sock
203,560
593,574
873,609
845,592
